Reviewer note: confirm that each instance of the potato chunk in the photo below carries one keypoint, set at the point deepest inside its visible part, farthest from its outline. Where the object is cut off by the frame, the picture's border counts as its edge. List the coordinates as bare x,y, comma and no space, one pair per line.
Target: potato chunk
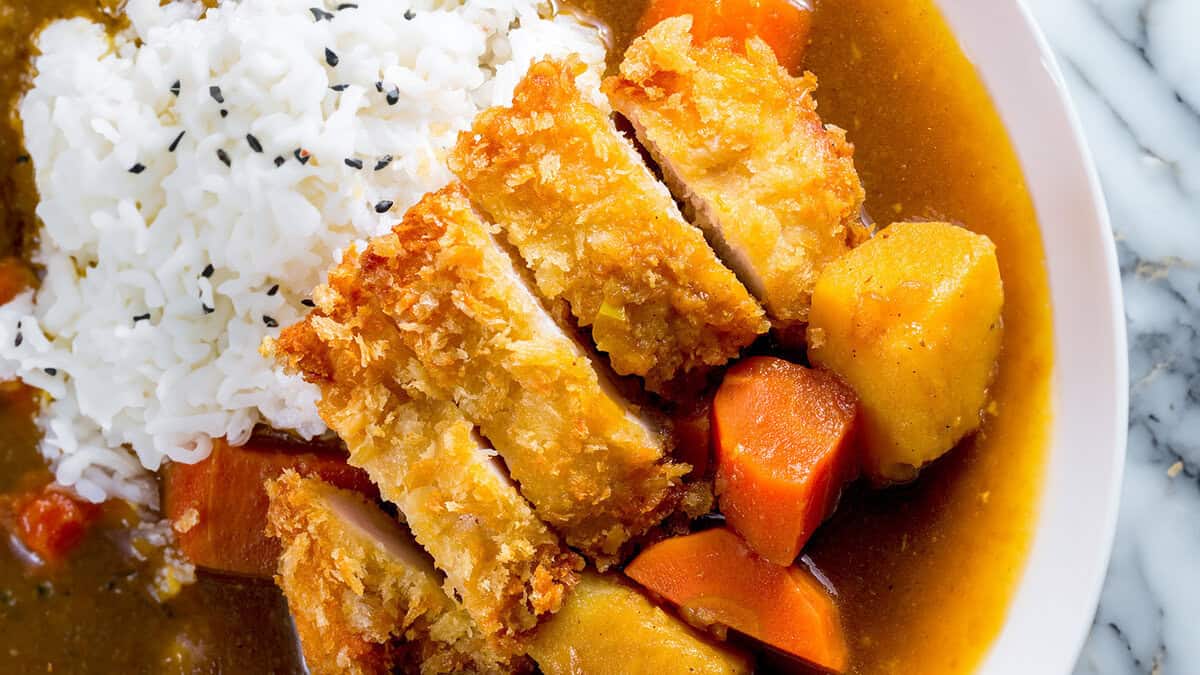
606,627
911,320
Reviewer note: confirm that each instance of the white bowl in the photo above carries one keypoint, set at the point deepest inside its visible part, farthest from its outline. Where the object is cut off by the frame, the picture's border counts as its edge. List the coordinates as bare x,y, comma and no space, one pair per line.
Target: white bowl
1056,599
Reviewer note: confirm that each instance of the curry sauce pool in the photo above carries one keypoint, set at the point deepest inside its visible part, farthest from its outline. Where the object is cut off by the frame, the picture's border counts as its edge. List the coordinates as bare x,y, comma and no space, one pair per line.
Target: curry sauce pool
924,573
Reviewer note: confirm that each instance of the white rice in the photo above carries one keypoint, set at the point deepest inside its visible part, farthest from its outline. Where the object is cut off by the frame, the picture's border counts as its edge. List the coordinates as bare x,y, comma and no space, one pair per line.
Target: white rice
130,393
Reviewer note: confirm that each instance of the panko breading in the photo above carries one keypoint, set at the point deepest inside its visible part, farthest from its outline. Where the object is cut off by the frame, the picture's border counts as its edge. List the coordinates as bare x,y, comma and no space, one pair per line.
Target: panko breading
596,228
592,468
364,597
498,557
740,142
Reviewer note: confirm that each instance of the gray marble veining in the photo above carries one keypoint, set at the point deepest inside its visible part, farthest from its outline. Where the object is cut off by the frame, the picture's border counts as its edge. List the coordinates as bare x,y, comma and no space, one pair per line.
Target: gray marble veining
1133,70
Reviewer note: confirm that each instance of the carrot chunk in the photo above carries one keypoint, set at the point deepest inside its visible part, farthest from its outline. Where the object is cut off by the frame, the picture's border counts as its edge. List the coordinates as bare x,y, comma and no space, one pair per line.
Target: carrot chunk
218,507
715,578
51,523
782,24
785,449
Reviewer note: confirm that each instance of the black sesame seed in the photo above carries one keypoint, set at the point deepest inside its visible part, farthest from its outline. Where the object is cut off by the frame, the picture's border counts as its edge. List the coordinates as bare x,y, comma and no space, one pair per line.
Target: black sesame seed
271,323
340,87
45,589
308,303
175,143
393,96
21,159
142,317
409,14
175,87
207,309
347,5
279,161
137,168
379,86
224,157
273,290
301,155
320,14
224,113
208,271
215,92
383,206
331,58
254,144
19,339
50,371
383,162
353,163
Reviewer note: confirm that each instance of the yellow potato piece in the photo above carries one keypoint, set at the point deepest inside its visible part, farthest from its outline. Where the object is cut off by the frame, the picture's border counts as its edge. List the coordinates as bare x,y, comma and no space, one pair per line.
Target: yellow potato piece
606,628
911,320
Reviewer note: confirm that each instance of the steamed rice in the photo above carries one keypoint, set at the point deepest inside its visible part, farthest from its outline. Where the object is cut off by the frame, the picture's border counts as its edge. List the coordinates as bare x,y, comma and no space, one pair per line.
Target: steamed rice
166,268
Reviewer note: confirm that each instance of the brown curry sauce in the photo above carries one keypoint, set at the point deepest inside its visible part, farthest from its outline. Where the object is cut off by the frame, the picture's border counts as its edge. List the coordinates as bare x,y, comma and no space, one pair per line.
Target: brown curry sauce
924,573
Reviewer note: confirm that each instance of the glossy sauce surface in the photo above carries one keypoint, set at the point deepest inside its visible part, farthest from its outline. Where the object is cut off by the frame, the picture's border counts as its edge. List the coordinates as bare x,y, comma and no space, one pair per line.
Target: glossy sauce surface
924,572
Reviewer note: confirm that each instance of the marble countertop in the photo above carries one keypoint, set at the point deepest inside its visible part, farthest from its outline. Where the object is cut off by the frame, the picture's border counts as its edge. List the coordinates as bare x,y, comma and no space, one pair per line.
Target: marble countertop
1133,70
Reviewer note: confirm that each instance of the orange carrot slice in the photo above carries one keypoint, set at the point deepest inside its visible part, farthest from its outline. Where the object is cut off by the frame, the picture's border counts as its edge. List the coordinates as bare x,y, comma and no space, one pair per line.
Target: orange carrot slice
782,24
218,507
715,578
784,436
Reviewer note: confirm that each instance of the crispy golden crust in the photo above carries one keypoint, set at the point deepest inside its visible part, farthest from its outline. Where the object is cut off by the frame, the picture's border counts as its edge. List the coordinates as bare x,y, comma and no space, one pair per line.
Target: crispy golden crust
498,557
364,598
598,230
740,142
471,332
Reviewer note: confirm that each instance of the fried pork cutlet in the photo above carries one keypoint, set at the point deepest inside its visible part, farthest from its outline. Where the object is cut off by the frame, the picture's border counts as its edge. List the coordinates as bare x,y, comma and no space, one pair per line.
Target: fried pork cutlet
364,597
593,469
740,143
596,228
498,557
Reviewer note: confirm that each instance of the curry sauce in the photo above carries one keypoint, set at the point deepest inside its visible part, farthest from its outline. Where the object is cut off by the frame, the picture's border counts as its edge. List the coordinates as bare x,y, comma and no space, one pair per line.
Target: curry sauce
923,573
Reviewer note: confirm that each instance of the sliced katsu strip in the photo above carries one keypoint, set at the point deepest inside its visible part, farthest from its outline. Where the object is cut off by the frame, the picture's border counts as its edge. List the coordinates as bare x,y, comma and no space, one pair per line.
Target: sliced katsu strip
592,467
503,562
596,228
740,143
365,598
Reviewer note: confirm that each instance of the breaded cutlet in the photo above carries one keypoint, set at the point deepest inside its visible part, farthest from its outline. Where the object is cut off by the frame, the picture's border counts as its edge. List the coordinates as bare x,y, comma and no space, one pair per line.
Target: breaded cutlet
739,141
365,598
503,562
593,469
597,229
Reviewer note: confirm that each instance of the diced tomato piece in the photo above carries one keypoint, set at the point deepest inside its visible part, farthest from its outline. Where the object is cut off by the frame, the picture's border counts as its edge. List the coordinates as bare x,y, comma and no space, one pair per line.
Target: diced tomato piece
51,523
218,507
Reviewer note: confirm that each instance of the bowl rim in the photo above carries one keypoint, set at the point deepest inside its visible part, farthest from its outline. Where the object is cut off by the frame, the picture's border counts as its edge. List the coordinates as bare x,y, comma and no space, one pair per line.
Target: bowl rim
1055,602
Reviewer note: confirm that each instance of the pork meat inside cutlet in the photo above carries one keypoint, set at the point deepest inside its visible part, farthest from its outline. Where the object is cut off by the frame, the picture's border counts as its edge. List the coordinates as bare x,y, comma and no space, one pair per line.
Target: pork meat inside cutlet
575,199
365,598
471,332
740,143
502,561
